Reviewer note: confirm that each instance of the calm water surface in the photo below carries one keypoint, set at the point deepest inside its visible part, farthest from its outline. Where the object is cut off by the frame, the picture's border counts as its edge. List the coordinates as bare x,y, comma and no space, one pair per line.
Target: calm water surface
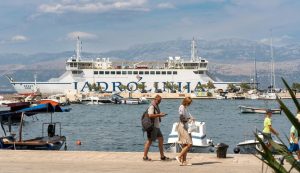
117,127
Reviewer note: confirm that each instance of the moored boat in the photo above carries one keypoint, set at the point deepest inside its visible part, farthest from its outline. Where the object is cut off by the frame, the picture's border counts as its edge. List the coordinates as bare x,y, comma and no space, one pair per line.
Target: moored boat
51,141
250,146
200,143
248,109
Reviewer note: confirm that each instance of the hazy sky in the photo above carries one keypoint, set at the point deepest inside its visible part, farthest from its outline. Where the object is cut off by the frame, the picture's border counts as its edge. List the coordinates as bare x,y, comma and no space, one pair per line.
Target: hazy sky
30,26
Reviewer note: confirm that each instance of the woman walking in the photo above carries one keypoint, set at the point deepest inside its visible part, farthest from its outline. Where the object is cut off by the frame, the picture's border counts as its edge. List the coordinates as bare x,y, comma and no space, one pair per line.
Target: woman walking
185,138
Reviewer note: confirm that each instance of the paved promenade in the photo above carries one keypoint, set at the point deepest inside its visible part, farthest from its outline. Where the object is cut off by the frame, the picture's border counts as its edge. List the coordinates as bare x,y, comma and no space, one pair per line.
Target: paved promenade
95,162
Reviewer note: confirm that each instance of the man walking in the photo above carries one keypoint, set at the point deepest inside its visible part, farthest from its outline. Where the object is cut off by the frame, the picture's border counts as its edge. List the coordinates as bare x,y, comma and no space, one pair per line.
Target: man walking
154,113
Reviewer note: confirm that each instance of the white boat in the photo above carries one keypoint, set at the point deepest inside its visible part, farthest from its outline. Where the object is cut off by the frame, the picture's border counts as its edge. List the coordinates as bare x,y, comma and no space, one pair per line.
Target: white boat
267,96
201,144
95,100
248,109
81,74
61,99
117,99
250,146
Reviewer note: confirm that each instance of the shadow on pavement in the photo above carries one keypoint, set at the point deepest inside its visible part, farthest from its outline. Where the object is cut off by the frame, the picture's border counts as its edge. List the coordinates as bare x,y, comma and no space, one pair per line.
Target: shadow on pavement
205,163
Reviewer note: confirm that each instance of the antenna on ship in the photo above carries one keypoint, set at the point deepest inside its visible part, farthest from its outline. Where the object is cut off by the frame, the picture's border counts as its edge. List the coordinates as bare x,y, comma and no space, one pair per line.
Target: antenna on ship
193,50
78,49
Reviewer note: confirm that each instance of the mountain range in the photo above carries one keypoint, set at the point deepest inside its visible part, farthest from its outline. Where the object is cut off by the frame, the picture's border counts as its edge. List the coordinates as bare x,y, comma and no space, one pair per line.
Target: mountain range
229,59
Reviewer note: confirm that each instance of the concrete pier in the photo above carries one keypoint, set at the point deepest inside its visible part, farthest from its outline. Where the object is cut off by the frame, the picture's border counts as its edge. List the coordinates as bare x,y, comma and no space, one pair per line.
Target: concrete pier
123,162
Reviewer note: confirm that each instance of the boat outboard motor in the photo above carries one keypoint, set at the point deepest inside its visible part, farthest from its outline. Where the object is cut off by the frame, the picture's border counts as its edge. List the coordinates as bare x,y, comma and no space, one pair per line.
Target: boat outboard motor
51,130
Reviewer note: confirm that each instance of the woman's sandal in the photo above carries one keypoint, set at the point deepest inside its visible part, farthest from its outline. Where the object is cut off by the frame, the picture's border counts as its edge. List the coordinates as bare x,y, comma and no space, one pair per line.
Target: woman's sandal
146,158
165,158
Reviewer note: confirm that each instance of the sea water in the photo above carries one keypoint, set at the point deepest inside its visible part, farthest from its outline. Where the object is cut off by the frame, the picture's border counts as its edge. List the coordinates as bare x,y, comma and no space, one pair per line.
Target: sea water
114,127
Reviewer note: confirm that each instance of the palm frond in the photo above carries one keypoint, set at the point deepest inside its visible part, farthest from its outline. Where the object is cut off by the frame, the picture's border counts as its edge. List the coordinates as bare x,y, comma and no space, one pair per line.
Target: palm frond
268,158
292,94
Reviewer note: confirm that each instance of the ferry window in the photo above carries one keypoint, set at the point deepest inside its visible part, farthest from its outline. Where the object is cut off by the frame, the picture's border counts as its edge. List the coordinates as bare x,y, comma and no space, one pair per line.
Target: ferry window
141,72
196,72
106,72
95,72
135,72
75,64
71,64
201,72
113,72
152,72
101,72
146,72
124,72
129,72
169,72
118,72
163,72
157,72
174,72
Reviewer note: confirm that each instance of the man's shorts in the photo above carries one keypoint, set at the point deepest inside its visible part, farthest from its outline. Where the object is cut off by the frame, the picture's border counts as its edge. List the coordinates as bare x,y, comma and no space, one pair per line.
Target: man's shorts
155,133
267,137
293,147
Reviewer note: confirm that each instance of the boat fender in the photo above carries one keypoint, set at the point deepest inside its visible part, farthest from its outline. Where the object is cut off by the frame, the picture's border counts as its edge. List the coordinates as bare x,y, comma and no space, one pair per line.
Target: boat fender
236,150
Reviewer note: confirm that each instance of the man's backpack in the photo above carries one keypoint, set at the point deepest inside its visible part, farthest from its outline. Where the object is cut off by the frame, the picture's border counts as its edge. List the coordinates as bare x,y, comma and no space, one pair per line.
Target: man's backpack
147,122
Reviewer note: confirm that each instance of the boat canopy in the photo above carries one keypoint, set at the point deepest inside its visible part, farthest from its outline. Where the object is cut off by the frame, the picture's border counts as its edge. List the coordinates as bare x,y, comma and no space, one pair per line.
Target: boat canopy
44,108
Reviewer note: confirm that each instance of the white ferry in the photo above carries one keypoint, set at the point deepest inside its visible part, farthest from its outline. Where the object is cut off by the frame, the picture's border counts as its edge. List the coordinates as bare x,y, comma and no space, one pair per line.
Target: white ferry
178,74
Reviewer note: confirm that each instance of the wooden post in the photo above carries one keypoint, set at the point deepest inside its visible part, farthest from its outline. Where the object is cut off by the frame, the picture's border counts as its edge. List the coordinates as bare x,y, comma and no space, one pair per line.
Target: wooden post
21,126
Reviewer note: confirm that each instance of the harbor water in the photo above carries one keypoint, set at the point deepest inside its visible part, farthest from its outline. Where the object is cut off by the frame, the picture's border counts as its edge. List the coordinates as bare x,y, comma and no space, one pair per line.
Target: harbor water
118,127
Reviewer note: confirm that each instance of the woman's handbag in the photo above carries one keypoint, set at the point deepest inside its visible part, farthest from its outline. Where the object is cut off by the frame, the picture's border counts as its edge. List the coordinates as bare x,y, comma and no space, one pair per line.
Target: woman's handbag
192,127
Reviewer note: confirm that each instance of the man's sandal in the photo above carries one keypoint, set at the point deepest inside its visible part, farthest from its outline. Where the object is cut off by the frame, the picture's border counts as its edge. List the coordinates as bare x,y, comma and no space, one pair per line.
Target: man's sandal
164,158
147,158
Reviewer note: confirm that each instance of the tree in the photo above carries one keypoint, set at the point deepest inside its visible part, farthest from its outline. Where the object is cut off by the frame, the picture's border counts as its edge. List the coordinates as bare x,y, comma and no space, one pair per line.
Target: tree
93,87
296,86
231,87
245,87
169,86
141,87
210,85
123,88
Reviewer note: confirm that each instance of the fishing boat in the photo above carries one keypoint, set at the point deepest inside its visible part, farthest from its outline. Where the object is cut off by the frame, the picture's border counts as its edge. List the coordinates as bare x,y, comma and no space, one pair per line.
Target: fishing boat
200,143
248,109
184,74
48,141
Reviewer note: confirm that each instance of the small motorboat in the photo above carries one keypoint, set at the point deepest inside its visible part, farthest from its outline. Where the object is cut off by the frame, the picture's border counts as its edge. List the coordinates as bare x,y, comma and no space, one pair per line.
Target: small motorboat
248,109
250,146
94,100
200,143
117,99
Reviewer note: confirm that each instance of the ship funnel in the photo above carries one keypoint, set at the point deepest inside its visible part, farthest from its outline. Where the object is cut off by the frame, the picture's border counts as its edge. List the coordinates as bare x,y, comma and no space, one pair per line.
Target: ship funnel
193,50
78,49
